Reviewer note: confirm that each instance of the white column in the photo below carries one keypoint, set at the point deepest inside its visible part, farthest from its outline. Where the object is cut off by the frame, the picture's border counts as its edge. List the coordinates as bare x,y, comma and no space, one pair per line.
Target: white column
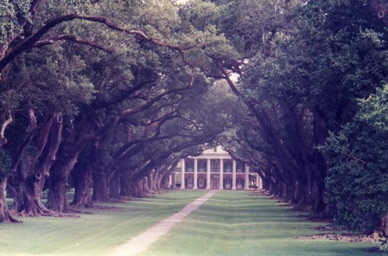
221,185
169,181
183,174
257,180
195,173
234,175
246,183
208,174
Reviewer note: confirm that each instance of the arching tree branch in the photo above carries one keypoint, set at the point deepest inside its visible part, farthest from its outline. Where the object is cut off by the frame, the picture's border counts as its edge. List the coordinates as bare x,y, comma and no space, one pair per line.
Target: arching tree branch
71,38
30,41
3,140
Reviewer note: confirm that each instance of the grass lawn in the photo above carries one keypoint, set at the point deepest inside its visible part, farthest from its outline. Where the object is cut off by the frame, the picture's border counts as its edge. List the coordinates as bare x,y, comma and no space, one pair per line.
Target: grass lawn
230,223
238,223
91,234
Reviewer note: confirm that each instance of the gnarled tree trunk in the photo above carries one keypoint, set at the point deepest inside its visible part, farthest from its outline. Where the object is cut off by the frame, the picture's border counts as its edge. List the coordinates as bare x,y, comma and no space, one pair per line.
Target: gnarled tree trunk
83,177
28,182
57,197
5,215
83,184
58,187
100,185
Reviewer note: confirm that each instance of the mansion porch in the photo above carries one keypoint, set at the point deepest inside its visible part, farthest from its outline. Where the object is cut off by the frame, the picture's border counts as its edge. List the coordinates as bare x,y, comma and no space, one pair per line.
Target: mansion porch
214,169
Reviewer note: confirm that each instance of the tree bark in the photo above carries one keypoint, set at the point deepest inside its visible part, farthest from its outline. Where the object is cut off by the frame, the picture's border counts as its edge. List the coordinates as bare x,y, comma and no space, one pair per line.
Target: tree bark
5,215
28,182
57,197
100,185
125,184
70,150
83,185
383,229
114,186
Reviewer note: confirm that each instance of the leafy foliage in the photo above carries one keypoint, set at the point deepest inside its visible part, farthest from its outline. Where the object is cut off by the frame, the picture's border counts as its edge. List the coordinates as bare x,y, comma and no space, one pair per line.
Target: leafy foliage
311,65
10,12
358,157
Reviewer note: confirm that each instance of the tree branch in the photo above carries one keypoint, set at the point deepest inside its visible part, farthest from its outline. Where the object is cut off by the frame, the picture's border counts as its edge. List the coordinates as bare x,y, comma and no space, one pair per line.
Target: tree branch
140,108
32,122
30,41
71,38
355,158
3,140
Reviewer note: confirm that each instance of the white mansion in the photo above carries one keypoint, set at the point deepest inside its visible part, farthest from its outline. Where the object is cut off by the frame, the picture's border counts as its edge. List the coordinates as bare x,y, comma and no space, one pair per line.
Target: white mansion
214,169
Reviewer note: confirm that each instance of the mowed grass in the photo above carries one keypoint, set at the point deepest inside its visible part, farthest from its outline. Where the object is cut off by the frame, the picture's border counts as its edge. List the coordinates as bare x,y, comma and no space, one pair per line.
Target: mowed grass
239,223
98,233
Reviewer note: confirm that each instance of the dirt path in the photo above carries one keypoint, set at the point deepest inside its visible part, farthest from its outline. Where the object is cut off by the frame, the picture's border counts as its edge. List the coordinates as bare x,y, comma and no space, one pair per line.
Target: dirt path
141,242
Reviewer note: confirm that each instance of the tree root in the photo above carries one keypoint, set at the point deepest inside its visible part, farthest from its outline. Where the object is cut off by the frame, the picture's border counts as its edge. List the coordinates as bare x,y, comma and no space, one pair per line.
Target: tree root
9,219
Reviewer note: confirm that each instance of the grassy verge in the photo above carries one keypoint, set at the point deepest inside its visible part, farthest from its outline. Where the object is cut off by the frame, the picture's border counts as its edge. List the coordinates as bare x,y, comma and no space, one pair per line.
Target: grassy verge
98,233
238,223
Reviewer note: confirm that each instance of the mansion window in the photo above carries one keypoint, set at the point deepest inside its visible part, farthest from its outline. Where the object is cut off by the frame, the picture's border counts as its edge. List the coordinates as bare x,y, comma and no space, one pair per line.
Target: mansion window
202,166
228,183
240,167
202,183
189,182
189,164
240,183
215,166
228,166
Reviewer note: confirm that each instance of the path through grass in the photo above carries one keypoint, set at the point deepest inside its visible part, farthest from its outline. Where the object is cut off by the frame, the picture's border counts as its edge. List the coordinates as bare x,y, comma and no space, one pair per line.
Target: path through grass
92,234
239,223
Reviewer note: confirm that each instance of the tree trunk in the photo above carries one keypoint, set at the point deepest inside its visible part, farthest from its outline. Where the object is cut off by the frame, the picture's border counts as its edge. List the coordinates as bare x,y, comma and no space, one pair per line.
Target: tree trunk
71,148
114,186
153,178
317,197
165,181
100,185
147,185
32,170
83,179
143,187
83,184
162,177
125,184
383,229
27,189
57,197
302,195
5,215
138,189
